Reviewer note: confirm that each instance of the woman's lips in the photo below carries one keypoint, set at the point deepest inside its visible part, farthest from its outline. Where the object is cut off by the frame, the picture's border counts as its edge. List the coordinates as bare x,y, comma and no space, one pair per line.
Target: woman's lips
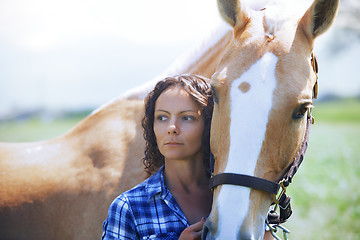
173,144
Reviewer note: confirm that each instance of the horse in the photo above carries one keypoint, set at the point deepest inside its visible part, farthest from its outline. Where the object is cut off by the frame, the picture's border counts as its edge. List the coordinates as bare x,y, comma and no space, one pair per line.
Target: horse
263,89
61,188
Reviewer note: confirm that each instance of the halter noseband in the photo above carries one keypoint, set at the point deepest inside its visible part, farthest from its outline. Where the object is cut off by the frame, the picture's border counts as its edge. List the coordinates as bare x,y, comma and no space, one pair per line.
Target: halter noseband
266,185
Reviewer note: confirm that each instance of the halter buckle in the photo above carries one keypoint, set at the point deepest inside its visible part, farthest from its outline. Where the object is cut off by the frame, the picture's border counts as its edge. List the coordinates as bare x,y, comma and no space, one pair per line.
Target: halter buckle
283,191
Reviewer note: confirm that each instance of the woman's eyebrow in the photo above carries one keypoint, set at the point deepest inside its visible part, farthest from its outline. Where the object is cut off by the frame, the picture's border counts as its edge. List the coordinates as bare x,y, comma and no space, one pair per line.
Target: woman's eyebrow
190,110
184,111
160,110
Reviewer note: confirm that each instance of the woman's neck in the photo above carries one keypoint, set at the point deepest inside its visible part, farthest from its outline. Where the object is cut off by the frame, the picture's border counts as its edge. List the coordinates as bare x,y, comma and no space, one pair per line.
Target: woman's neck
185,175
189,185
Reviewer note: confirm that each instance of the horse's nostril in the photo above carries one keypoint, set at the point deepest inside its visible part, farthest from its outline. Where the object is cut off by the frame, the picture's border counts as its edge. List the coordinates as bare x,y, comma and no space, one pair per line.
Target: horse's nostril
205,231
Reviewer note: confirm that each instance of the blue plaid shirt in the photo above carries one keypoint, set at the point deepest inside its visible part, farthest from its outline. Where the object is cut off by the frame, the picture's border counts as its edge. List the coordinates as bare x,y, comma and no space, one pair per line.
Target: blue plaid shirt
148,211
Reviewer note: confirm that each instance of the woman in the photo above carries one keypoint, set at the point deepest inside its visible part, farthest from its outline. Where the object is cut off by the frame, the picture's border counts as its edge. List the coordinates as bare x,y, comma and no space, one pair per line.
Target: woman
174,202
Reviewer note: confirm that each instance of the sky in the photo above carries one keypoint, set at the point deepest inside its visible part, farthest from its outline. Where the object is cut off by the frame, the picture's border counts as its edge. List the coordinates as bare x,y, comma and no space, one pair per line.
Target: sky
82,53
74,54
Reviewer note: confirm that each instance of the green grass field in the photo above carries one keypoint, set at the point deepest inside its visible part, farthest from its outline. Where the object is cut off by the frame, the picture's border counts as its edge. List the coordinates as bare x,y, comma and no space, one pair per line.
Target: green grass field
36,129
325,192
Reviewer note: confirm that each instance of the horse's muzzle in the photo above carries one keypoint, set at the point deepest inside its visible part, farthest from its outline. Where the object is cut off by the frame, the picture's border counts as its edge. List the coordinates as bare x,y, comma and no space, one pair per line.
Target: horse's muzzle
209,234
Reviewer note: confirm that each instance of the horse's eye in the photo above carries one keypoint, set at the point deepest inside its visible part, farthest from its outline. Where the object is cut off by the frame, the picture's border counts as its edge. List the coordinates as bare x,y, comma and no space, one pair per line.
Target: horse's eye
215,95
301,110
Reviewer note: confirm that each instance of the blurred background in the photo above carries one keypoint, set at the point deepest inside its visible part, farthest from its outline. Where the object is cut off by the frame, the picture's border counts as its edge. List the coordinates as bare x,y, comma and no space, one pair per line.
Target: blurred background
77,54
59,60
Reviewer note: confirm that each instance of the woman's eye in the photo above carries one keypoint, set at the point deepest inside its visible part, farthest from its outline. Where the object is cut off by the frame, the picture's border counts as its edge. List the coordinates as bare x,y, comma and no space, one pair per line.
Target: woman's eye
188,118
161,118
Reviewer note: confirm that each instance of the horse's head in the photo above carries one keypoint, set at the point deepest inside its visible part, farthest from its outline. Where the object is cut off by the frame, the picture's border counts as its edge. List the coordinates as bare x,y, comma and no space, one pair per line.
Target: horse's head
263,89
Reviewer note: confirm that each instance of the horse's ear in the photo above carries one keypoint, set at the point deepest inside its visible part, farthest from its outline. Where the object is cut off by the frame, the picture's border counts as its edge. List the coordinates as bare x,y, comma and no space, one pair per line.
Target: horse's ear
319,17
230,11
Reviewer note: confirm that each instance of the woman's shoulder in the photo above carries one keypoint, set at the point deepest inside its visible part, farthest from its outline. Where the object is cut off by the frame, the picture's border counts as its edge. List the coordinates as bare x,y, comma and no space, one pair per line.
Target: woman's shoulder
143,190
126,203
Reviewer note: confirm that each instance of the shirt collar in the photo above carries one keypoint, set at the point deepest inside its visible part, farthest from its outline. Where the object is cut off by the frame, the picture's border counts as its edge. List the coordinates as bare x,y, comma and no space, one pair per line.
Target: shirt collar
155,187
156,183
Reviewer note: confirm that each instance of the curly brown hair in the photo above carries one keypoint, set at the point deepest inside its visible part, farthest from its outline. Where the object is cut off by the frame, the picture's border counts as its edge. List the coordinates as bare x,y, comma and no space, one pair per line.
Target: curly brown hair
199,89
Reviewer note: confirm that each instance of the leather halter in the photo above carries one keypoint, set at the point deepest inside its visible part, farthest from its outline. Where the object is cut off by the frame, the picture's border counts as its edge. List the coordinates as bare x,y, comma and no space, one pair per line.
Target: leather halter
266,185
260,183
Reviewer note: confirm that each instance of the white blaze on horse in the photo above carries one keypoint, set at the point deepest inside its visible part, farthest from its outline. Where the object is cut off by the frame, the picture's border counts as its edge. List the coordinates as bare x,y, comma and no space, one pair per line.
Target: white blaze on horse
62,188
263,88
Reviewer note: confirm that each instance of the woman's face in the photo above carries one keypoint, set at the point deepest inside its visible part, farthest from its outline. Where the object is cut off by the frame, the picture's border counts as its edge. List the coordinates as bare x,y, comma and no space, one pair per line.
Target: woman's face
178,125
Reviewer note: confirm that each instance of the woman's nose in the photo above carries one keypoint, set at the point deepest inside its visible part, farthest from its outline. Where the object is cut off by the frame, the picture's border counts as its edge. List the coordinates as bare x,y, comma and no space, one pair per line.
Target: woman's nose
172,129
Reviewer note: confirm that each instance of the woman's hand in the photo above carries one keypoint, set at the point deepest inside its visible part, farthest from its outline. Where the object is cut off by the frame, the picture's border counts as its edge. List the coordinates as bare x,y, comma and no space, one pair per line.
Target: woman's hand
268,236
193,232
